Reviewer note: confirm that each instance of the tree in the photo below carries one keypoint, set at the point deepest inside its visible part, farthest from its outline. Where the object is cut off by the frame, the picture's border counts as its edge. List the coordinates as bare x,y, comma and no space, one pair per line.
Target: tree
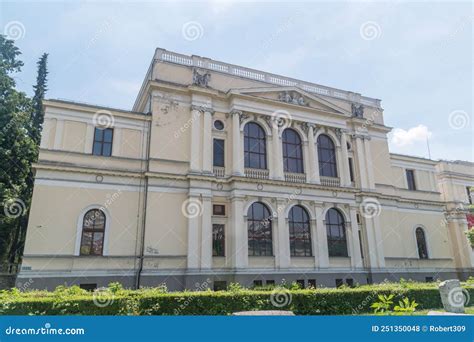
17,148
40,89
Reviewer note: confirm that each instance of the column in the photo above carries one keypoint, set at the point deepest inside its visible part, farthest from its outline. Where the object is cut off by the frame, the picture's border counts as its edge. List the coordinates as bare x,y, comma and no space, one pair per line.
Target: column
340,165
322,250
346,180
207,141
314,242
237,153
89,139
195,140
306,161
206,233
238,235
117,142
379,241
282,254
193,237
58,136
356,257
369,163
277,153
361,162
313,171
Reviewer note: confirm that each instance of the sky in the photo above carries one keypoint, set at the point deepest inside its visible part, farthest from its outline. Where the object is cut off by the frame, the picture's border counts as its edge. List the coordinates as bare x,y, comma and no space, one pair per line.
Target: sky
417,57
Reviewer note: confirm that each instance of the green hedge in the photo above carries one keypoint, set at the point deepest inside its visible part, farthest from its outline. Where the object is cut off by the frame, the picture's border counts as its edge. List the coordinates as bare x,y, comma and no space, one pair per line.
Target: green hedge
344,301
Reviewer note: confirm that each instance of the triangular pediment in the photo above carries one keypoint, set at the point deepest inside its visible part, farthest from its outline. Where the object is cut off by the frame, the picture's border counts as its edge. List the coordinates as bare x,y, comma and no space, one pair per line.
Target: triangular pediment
292,96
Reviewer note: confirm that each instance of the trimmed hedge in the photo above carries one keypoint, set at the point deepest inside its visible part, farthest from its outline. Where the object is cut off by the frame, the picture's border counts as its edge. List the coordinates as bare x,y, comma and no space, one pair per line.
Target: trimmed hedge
343,301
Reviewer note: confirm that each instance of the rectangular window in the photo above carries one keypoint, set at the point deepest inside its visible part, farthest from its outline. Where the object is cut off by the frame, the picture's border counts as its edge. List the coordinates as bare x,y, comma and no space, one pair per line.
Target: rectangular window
218,240
429,279
469,194
103,142
270,282
360,245
88,287
312,283
339,282
257,283
411,179
351,170
220,286
300,282
218,210
350,282
219,159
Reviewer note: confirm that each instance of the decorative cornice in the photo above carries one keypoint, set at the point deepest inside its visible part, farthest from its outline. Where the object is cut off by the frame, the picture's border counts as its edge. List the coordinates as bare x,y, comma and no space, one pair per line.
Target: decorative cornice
203,109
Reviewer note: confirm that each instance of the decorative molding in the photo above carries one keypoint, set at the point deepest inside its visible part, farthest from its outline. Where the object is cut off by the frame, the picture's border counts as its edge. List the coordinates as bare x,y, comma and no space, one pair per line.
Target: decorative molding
357,110
293,98
203,109
201,80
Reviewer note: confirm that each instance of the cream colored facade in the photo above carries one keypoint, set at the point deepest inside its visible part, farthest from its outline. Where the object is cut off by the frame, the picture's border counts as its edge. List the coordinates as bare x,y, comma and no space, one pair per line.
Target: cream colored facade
158,188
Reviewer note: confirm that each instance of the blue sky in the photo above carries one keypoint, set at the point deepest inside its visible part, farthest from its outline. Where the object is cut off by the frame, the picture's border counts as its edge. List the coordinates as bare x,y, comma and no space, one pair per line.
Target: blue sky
414,56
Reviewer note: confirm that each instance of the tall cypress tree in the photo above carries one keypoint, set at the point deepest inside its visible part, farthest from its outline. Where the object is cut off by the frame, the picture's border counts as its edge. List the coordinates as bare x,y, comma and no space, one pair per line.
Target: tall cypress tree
40,89
17,148
35,128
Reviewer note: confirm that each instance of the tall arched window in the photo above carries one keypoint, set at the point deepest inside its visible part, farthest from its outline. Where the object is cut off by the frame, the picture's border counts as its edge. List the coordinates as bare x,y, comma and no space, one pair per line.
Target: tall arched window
93,231
255,150
327,156
336,232
300,232
259,220
421,243
292,151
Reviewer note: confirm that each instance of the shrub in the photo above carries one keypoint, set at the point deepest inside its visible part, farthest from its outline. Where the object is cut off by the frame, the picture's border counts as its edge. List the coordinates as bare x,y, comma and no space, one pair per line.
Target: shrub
157,301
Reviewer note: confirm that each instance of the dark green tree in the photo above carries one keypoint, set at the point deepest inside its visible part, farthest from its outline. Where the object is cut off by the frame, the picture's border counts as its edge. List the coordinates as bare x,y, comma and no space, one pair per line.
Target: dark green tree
17,149
40,90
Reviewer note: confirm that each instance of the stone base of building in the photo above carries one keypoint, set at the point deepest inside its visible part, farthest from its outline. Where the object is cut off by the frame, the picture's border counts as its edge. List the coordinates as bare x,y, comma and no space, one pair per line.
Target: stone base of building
218,280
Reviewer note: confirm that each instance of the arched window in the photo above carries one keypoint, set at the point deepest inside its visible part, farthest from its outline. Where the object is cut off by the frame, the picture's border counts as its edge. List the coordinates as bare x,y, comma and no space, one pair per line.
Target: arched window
327,156
300,232
336,232
292,151
259,220
255,150
421,243
93,231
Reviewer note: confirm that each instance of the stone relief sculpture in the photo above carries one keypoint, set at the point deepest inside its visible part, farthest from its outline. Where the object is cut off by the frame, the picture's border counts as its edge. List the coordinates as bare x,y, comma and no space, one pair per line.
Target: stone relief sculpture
293,98
357,110
201,80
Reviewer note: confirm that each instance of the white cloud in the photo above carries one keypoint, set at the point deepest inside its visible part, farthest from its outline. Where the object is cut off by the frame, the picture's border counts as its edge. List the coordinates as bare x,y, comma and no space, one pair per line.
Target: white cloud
401,137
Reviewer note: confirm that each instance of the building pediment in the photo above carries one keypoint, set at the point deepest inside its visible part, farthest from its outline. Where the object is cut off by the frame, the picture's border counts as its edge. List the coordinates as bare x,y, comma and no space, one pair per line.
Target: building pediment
292,96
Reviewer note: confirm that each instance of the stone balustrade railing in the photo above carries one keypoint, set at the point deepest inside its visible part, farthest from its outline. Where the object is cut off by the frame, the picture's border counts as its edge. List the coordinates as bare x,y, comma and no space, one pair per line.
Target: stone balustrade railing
330,181
295,177
219,171
256,173
207,63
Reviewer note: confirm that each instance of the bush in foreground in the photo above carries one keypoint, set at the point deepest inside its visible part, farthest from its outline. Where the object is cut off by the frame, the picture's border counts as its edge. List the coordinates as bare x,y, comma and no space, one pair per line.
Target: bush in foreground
157,301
